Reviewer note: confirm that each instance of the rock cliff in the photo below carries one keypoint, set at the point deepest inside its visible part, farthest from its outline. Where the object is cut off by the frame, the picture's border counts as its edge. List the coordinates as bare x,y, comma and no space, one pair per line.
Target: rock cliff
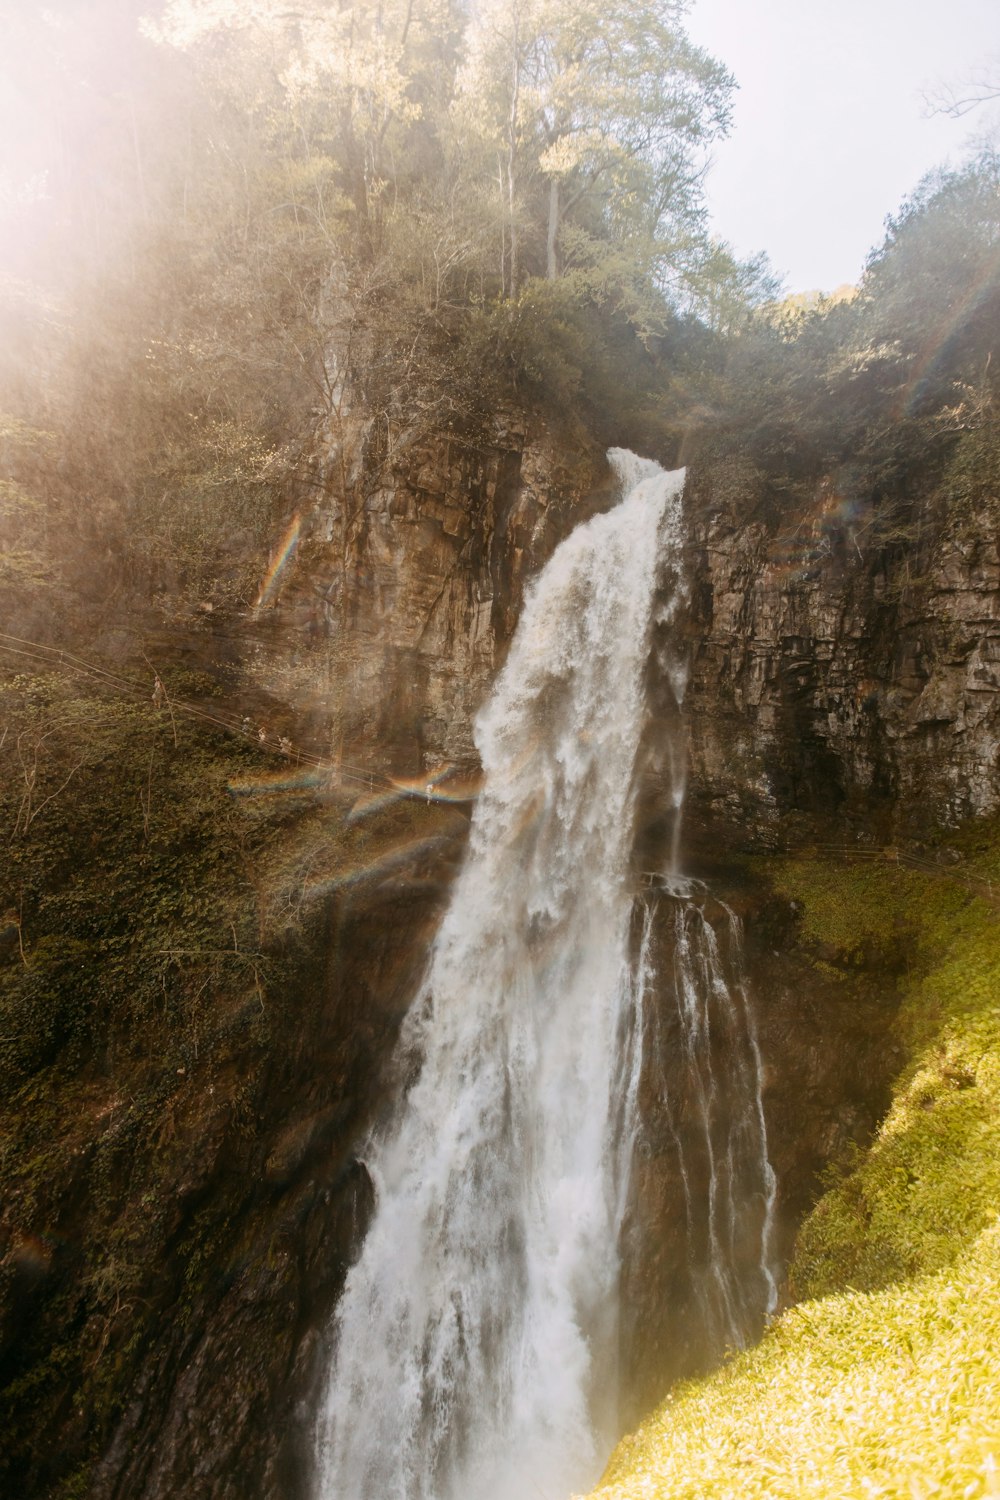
844,687
844,679
385,634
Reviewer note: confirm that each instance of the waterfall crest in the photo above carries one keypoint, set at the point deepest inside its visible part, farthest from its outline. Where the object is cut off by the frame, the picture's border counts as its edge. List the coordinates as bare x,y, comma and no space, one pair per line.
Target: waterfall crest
476,1338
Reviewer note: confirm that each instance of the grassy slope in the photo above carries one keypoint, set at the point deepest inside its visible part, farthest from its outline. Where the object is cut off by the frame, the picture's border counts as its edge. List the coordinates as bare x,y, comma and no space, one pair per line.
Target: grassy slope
884,1379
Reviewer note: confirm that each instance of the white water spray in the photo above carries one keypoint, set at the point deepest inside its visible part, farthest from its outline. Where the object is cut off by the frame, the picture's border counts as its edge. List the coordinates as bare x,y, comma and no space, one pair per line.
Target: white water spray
715,1112
476,1339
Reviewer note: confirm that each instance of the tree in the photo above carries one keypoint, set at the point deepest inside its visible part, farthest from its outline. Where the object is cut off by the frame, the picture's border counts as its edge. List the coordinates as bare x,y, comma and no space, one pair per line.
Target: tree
981,86
596,116
354,79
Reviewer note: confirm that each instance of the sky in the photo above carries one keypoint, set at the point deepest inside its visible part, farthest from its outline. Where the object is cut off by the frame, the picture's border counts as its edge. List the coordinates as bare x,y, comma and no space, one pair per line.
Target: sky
829,130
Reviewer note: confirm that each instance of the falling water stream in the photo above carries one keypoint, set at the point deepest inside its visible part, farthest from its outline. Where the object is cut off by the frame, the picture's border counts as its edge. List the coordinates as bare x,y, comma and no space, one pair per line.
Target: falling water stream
701,1041
476,1341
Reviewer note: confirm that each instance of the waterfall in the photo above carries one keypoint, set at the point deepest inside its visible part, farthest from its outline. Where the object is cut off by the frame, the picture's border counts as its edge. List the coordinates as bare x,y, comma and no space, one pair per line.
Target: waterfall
475,1345
703,1048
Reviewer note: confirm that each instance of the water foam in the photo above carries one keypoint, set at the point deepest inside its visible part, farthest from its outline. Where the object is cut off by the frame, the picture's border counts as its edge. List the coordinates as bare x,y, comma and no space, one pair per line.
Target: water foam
476,1338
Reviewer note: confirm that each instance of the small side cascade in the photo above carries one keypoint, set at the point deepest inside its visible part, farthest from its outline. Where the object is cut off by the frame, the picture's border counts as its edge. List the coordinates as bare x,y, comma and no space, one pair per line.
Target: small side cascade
700,1253
704,1055
701,1094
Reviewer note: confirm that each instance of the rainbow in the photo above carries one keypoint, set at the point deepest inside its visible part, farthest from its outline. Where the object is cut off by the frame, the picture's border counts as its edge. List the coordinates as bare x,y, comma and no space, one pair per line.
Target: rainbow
945,331
279,562
265,786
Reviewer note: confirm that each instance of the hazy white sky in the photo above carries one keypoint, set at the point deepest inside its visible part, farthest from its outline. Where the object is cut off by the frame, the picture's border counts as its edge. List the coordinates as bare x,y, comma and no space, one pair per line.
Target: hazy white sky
828,131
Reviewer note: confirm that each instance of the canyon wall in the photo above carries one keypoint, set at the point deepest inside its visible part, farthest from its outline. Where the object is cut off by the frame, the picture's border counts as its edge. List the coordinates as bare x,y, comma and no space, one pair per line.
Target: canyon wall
844,683
387,629
845,687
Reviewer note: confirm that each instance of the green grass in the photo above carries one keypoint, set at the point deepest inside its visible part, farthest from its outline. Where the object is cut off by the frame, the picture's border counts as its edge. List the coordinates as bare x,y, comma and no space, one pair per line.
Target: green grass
884,1379
892,1393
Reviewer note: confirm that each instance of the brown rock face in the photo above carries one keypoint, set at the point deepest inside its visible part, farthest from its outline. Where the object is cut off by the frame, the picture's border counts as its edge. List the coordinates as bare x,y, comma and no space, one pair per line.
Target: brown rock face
222,1408
844,683
407,584
840,689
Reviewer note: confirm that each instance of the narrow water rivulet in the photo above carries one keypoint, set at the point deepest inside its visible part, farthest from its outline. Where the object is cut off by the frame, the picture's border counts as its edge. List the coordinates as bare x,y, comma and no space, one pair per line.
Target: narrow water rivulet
476,1341
702,1051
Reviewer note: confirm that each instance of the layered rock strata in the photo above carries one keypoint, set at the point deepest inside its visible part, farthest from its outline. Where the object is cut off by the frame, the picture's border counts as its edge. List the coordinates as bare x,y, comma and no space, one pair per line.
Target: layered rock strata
842,688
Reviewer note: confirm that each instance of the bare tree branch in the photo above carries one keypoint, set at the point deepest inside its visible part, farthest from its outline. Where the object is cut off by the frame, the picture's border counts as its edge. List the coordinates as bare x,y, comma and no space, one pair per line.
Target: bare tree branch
955,100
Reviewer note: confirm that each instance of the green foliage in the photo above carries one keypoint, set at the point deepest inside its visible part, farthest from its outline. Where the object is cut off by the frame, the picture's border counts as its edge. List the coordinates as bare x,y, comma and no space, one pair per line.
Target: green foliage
931,1180
321,237
131,956
352,209
971,476
28,561
890,1394
887,393
595,116
89,971
934,284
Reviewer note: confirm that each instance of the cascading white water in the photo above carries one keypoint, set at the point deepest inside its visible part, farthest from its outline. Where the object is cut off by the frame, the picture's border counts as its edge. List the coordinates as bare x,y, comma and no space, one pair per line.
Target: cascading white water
710,1091
476,1338
701,1076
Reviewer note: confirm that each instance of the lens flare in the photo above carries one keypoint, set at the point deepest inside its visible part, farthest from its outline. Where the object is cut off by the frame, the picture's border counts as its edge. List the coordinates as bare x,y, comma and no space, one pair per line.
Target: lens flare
281,781
443,785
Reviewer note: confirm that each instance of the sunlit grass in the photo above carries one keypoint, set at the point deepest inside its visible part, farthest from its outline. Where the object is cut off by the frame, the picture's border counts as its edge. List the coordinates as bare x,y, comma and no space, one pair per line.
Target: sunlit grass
893,1393
884,1381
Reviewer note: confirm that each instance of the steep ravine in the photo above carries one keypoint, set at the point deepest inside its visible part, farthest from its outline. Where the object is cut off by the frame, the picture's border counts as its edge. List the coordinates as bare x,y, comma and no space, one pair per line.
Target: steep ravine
831,699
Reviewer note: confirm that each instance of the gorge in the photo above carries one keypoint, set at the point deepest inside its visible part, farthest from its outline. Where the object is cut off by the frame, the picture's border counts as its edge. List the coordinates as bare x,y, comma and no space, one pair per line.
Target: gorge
386,870
498,944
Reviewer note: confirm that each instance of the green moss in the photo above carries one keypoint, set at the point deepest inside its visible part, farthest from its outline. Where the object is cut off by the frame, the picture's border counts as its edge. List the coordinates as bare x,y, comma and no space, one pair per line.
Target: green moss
972,475
883,1381
931,1180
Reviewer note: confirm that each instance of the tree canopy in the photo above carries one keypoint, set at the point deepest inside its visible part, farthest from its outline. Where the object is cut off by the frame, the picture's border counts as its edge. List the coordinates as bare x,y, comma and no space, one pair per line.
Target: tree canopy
237,219
595,115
